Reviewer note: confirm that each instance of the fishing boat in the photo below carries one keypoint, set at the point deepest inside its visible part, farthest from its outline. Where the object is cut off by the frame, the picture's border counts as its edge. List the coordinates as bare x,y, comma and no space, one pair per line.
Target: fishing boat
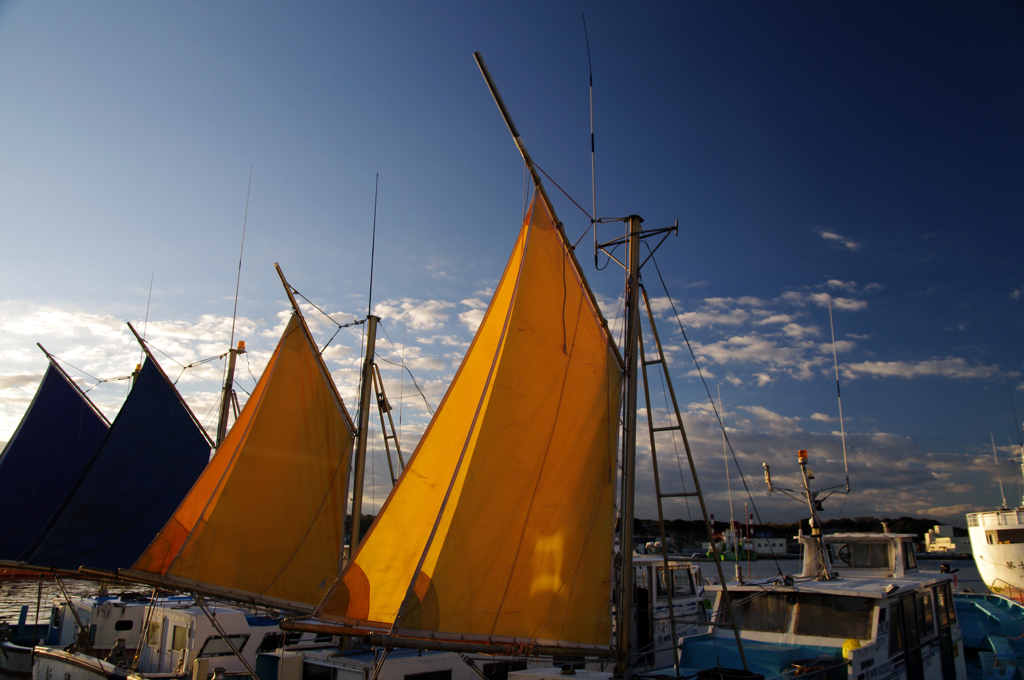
499,537
859,609
176,637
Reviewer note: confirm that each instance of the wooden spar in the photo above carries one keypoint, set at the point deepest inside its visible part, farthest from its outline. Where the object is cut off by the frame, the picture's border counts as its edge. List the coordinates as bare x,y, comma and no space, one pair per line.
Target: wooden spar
156,364
53,360
364,429
465,645
544,194
207,589
229,385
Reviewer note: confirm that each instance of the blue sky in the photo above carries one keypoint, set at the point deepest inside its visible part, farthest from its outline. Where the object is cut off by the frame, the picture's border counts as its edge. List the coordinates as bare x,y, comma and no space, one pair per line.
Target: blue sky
871,154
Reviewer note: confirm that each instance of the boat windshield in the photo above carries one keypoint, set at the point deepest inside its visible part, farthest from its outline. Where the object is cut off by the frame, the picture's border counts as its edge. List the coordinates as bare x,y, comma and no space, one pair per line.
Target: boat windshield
861,555
680,579
814,614
765,612
834,616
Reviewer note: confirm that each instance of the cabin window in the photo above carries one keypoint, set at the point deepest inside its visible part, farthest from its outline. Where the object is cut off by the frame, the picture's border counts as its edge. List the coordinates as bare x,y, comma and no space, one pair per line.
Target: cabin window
925,620
680,578
500,670
895,630
179,638
767,613
215,645
949,602
1005,536
153,635
909,559
940,605
834,616
862,555
311,671
270,642
55,618
124,624
274,641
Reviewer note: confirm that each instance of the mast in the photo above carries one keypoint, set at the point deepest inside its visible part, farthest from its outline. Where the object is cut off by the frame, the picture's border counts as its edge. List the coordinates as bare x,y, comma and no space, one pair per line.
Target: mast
228,392
364,429
625,606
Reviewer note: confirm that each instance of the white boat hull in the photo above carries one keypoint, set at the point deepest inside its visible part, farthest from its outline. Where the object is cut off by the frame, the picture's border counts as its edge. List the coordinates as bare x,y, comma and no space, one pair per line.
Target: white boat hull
997,539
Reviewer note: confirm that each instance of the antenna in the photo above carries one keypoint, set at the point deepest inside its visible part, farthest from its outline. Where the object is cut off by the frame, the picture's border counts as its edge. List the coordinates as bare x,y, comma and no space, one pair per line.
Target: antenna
593,180
998,471
373,245
145,325
238,281
839,396
728,480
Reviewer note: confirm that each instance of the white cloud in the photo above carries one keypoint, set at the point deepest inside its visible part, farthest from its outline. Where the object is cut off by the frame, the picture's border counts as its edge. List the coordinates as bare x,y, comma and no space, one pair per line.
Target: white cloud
472,319
794,359
950,367
836,239
821,417
795,330
420,315
772,318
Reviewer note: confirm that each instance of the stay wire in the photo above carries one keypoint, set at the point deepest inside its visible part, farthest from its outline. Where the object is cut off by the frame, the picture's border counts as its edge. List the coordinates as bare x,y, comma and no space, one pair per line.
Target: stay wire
714,408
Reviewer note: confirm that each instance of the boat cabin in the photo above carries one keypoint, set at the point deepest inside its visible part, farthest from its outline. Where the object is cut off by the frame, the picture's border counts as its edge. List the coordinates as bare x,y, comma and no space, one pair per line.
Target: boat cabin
652,625
878,618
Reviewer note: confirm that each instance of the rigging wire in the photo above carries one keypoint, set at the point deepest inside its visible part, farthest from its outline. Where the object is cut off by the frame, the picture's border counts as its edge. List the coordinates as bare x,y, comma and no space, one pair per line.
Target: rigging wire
404,366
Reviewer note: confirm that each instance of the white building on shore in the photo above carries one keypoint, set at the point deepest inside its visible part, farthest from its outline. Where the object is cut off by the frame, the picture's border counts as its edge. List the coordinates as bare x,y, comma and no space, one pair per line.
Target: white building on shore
941,540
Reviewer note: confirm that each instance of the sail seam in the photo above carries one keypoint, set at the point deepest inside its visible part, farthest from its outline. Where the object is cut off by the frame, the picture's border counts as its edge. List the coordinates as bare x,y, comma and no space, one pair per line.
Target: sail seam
469,434
334,480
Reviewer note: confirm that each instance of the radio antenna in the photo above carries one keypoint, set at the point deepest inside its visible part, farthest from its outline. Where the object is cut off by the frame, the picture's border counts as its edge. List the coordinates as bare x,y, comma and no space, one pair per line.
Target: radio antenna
593,180
839,396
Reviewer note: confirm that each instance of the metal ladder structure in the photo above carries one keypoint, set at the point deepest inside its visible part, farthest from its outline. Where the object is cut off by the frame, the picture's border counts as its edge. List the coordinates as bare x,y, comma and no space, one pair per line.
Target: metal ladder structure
677,426
387,425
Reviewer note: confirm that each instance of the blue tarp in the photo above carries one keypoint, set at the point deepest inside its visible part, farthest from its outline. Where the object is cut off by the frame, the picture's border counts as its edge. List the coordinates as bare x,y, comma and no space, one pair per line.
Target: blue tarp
58,435
149,460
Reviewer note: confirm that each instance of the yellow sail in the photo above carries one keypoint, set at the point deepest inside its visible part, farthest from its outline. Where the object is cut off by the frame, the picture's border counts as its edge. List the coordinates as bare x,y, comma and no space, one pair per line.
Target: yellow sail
266,515
501,525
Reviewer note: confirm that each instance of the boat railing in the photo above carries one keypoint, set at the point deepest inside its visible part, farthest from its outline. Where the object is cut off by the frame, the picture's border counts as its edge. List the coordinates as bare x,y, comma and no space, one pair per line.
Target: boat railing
1012,592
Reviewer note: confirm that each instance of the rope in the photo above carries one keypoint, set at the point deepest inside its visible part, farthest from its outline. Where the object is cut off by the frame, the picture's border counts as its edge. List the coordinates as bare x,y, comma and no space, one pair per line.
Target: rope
564,192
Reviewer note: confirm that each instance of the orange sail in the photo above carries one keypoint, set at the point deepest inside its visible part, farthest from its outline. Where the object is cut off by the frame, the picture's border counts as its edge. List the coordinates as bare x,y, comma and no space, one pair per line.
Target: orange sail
501,526
266,516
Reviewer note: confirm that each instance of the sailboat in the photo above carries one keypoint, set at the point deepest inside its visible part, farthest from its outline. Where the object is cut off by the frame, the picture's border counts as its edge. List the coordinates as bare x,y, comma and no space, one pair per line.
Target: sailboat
151,455
56,438
262,526
499,537
263,523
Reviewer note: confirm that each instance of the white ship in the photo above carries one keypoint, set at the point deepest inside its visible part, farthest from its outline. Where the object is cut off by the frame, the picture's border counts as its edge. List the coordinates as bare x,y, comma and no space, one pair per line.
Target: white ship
997,540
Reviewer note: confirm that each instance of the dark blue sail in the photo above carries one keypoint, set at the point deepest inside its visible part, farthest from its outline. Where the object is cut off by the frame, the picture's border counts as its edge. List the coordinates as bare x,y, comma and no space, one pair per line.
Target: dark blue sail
149,460
58,435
